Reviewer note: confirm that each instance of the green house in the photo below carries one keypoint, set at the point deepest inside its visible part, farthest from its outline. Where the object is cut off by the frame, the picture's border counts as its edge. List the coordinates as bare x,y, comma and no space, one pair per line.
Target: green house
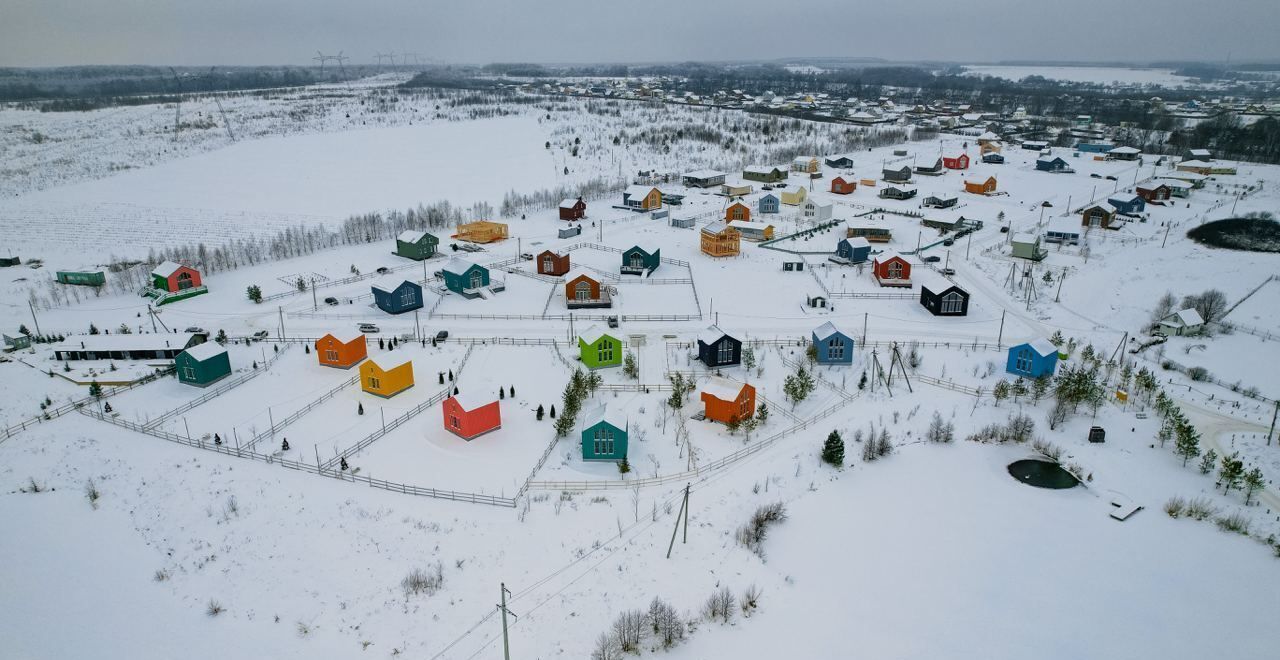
604,435
16,341
82,277
417,245
599,350
202,364
464,277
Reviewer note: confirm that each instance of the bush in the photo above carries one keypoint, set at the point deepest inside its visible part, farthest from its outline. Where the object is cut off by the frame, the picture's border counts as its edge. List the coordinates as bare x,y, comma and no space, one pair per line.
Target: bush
1201,508
1175,506
214,608
1198,373
666,622
426,581
92,493
1235,522
752,534
720,605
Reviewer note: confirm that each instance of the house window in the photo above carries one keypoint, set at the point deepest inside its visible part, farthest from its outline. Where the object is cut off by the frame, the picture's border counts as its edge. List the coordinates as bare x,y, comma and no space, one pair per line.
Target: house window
477,279
637,260
604,351
188,373
724,352
895,270
375,383
408,297
744,407
455,422
547,265
835,348
184,281
582,291
1095,220
952,303
1023,361
331,356
603,441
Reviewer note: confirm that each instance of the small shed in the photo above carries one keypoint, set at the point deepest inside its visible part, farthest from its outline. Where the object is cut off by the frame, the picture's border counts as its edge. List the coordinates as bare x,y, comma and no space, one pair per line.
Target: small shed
202,364
944,301
1033,359
598,349
843,186
604,435
769,203
341,349
716,348
1181,322
941,202
416,245
552,263
387,374
682,221
993,158
638,261
573,209
471,414
831,345
394,294
84,277
569,232
984,187
16,341
736,188
754,231
854,250
727,401
464,277
1027,246
892,192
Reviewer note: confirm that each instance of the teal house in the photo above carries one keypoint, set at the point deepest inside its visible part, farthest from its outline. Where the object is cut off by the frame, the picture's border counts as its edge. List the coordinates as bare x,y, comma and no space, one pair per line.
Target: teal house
604,435
416,245
202,364
464,277
637,261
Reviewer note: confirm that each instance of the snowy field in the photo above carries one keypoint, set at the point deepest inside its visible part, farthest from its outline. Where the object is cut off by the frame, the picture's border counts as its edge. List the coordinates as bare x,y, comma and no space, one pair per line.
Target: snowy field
938,547
1097,75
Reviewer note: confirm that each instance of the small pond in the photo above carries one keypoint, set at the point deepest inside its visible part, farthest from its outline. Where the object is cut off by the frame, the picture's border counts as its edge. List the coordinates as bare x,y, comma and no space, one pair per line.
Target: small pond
1042,474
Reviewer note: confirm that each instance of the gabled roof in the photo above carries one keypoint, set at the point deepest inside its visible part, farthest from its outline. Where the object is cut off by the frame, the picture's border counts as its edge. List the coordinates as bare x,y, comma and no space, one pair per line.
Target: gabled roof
760,169
202,352
345,336
639,191
459,266
166,269
1194,163
718,227
601,413
745,224
411,236
155,341
826,330
1187,317
887,255
1043,347
723,388
389,283
391,359
473,397
858,242
580,272
593,334
711,334
569,202
704,174
1124,199
1125,150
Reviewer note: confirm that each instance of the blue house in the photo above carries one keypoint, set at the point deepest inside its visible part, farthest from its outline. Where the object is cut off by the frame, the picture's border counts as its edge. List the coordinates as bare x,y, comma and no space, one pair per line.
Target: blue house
464,277
717,349
832,346
1033,359
1053,164
855,250
1094,147
770,203
396,295
604,435
638,261
1128,204
993,158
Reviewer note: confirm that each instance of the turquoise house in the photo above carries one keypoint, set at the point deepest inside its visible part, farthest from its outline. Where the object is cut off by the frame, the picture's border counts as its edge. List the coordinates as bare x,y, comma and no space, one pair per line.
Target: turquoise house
638,261
604,435
831,345
464,277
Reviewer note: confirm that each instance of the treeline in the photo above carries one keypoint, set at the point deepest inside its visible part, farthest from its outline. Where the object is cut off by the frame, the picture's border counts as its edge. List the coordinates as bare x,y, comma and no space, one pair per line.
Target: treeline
68,90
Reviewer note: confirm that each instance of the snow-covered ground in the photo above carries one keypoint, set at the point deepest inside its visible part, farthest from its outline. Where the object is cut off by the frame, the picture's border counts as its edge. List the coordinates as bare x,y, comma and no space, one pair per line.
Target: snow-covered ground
932,549
1098,75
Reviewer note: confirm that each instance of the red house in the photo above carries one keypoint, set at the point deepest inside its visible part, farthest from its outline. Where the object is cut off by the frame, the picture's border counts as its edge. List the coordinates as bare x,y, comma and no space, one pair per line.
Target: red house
891,270
343,349
172,277
843,186
471,414
727,401
573,209
960,162
550,263
1156,193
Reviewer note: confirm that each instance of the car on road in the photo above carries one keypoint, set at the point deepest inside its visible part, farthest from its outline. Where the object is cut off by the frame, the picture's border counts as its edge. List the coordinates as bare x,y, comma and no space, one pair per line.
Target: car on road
330,301
196,329
383,270
949,242
1096,175
442,335
613,321
948,271
526,256
260,335
933,259
1110,178
1004,229
368,327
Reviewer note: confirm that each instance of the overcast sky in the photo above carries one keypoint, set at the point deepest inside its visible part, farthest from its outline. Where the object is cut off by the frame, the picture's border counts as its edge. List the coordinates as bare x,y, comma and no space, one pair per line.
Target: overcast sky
192,32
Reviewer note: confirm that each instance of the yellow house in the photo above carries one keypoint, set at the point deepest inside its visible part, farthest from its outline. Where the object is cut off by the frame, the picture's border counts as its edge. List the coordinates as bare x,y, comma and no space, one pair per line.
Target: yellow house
794,197
642,198
387,374
481,231
721,240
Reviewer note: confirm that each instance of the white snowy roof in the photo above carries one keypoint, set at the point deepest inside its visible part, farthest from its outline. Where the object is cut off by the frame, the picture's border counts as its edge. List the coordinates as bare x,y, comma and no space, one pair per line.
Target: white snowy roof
1043,346
745,224
759,169
1194,163
887,255
388,283
411,236
1199,152
718,227
638,191
1172,183
346,336
1185,176
579,272
722,388
803,160
711,335
826,330
202,352
1070,225
1048,159
1023,237
988,136
166,269
858,242
810,203
568,202
474,397
592,334
458,266
737,183
601,413
704,174
102,343
1187,317
391,359
1125,150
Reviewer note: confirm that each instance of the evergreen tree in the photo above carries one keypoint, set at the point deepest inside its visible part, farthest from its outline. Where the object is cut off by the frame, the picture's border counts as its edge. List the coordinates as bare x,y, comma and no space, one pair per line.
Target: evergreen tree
540,412
1000,391
1207,461
833,450
1253,482
1056,339
95,390
624,466
342,464
748,358
255,293
441,377
360,408
502,394
512,392
1019,388
221,337
629,367
1230,472
284,446
381,344
553,411
762,413
1039,387
862,382
455,390
451,375
93,329
1186,442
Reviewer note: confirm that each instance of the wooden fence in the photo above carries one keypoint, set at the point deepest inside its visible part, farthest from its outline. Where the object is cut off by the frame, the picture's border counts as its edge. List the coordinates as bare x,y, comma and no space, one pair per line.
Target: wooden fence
217,391
53,413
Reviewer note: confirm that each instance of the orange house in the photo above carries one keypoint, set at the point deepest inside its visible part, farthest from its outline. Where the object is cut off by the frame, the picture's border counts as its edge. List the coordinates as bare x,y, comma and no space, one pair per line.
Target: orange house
341,349
469,415
727,401
481,231
981,187
843,186
737,211
890,269
550,263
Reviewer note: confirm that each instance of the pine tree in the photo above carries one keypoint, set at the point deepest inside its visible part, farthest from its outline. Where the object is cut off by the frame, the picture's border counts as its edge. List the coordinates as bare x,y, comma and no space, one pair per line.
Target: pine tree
1230,472
360,408
553,411
512,392
540,412
441,374
762,413
629,367
862,382
1186,443
1253,482
748,358
1039,387
451,375
381,343
1000,391
1019,388
624,466
255,293
502,394
284,446
95,390
833,450
455,390
1207,461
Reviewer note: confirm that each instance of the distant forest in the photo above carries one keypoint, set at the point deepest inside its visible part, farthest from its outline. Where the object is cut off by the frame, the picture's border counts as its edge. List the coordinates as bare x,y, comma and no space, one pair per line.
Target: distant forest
69,89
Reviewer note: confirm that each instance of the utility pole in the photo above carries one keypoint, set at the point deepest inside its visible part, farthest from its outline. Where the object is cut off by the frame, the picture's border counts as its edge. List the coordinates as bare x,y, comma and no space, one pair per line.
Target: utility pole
1273,423
1167,227
864,328
152,314
314,304
967,245
506,643
1057,296
280,311
417,329
1000,337
684,511
33,316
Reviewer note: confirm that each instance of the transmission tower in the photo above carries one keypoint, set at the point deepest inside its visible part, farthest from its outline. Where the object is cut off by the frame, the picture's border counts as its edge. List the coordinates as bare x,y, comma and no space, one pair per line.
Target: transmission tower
226,121
177,106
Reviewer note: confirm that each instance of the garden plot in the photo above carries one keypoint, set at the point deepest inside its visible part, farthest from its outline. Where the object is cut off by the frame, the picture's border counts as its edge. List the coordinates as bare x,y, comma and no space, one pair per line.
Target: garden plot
522,296
337,423
423,453
655,299
1227,358
24,388
1257,312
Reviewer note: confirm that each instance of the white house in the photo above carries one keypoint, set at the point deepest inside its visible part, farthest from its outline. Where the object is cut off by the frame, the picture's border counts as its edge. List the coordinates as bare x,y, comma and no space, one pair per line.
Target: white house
1181,322
813,211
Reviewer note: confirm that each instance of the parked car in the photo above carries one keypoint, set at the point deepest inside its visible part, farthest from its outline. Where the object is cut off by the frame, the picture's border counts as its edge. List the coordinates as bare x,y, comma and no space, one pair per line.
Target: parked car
383,270
948,271
1004,229
442,335
260,335
1110,178
766,187
1096,175
949,242
1046,204
196,329
526,256
368,327
330,301
613,321
932,259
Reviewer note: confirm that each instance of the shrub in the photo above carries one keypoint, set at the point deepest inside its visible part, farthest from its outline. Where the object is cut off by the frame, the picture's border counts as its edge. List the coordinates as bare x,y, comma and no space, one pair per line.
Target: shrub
1201,508
92,493
1175,506
720,605
752,534
666,622
1198,373
214,608
426,581
750,600
1235,522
